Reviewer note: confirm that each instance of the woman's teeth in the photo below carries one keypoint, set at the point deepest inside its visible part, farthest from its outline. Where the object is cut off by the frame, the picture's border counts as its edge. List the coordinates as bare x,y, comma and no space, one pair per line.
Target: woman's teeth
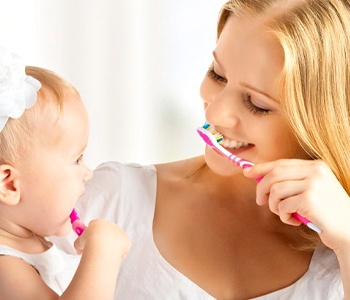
233,144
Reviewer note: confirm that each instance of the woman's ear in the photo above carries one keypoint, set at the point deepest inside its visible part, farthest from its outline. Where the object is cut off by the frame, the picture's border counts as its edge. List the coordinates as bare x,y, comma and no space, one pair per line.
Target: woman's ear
9,185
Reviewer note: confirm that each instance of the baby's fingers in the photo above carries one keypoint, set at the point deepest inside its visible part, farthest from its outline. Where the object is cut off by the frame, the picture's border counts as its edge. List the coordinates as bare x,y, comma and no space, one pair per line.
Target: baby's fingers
79,244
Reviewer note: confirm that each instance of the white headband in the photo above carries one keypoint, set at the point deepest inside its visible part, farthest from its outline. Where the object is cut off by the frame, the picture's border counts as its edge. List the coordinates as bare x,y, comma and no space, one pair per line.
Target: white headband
17,90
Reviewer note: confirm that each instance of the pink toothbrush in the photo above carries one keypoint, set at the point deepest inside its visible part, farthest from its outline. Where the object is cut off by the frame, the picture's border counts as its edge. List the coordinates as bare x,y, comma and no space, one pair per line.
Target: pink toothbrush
77,225
212,139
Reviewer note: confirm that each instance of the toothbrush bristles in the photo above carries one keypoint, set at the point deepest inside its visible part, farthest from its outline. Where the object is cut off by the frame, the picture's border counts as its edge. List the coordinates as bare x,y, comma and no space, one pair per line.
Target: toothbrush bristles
217,135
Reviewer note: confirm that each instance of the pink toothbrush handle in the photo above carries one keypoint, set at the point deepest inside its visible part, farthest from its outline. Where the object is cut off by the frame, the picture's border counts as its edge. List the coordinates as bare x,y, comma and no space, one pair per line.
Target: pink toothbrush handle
307,222
77,225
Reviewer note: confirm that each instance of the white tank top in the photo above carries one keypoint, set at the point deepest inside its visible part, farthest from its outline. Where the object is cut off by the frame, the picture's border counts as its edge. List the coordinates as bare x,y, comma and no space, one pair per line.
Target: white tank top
126,194
55,267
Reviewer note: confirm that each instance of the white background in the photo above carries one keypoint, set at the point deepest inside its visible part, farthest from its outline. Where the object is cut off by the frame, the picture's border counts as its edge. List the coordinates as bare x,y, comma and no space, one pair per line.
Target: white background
137,64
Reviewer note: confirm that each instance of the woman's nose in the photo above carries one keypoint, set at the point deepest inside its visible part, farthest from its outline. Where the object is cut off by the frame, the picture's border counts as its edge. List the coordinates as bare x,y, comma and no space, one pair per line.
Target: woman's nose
222,110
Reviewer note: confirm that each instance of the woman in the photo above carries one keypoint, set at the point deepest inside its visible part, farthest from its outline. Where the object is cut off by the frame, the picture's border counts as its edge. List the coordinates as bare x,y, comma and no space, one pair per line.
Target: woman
277,90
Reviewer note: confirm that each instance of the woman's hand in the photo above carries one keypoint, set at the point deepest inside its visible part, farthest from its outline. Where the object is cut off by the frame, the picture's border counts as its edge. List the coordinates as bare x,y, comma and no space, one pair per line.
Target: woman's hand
309,188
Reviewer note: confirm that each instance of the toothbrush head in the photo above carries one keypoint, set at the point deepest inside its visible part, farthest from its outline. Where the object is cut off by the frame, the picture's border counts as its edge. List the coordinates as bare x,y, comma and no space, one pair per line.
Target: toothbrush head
73,216
217,135
213,138
209,138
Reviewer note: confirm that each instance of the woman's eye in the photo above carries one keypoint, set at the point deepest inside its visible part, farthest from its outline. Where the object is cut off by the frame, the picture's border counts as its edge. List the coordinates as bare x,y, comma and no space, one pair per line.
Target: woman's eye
213,75
253,108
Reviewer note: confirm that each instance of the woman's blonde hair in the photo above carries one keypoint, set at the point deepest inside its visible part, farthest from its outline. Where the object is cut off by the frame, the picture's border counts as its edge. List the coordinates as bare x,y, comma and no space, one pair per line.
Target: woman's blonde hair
315,80
22,132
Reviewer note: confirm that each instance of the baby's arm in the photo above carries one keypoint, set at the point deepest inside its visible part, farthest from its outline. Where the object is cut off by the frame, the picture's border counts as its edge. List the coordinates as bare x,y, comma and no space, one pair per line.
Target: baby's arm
103,245
19,280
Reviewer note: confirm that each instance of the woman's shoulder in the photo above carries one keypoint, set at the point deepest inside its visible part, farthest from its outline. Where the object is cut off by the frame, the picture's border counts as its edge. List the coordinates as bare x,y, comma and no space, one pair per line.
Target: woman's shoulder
324,263
114,173
119,167
176,168
181,168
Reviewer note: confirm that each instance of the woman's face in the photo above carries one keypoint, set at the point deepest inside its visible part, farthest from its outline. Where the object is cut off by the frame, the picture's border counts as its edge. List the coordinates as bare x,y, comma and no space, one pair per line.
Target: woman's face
240,94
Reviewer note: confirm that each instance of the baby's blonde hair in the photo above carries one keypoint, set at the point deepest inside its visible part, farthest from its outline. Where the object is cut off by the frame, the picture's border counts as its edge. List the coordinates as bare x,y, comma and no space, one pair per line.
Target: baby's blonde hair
315,80
20,133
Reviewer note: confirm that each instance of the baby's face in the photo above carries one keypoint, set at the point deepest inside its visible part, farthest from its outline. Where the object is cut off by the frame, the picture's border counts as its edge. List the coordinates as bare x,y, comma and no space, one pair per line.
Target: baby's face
53,173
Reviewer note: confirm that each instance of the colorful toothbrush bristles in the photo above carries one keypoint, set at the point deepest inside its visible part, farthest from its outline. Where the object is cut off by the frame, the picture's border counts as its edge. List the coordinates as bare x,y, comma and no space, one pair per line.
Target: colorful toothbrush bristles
217,135
212,138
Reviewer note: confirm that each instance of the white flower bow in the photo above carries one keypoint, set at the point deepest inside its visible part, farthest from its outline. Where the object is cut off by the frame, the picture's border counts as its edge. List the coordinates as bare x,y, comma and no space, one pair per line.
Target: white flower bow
17,90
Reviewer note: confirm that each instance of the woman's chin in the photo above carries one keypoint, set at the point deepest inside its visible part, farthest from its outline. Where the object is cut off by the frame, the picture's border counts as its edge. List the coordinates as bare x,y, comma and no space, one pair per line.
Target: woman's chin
219,164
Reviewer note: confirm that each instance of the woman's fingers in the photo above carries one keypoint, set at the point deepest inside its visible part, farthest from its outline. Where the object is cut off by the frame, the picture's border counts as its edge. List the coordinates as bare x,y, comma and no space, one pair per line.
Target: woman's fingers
309,188
289,184
275,178
283,190
278,167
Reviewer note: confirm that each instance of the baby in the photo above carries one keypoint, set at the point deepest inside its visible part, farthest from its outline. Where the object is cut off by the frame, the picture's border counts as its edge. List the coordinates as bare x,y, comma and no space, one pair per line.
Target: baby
43,135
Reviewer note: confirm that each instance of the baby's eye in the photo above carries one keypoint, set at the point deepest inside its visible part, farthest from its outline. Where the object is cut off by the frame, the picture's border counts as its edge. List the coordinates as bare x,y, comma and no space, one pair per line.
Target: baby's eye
256,110
79,160
213,75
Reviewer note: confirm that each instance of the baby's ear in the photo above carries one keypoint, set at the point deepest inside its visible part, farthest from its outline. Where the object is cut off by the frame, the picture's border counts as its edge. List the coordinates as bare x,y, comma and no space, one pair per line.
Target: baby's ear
9,185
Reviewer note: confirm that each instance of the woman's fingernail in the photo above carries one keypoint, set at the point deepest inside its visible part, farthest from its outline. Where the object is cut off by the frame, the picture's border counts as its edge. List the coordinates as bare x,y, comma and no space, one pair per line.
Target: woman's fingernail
247,169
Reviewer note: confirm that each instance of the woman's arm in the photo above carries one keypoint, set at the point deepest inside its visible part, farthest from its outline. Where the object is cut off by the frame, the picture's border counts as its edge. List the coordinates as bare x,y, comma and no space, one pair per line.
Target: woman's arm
343,256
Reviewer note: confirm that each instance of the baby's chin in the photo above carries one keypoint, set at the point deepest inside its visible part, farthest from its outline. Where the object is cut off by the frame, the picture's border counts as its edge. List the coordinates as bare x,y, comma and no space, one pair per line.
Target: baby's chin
64,230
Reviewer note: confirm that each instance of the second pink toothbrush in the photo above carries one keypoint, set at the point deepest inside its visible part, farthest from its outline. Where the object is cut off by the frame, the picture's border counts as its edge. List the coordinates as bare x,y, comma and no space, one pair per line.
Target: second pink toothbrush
77,225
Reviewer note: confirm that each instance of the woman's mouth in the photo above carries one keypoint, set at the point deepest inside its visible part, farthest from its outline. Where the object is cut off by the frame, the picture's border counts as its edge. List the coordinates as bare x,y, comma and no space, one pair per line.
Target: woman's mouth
233,144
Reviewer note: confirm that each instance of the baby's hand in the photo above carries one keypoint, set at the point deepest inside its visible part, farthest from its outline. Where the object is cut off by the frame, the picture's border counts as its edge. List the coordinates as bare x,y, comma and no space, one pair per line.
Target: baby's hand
103,245
101,235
